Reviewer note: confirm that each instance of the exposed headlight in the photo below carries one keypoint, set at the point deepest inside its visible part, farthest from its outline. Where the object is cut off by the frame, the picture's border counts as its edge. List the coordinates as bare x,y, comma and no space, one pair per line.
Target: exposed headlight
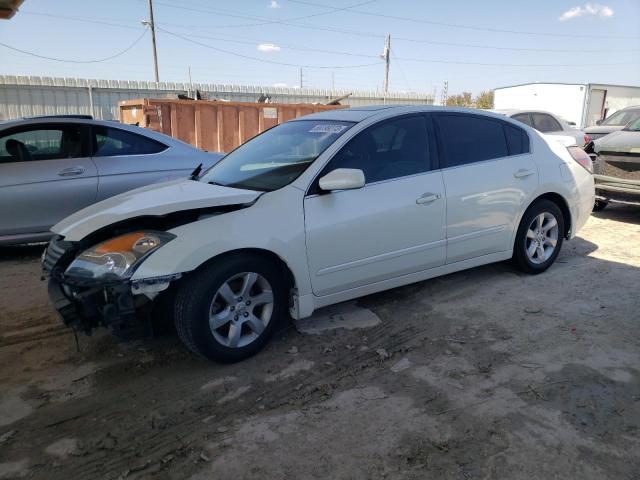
117,258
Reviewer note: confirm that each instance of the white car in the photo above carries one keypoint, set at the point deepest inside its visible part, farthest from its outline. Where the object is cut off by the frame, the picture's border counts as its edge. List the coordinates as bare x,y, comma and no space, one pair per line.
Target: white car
547,123
315,211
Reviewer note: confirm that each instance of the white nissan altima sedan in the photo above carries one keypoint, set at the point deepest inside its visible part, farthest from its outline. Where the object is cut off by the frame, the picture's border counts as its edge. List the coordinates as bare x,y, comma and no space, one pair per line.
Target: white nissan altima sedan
315,211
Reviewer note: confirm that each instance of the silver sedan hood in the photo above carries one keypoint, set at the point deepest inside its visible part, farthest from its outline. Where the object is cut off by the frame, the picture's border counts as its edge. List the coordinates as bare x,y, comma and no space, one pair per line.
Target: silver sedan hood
602,129
623,141
152,200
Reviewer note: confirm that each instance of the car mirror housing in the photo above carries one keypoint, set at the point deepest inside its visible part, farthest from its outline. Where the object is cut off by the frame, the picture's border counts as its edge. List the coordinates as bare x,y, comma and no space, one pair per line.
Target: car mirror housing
342,179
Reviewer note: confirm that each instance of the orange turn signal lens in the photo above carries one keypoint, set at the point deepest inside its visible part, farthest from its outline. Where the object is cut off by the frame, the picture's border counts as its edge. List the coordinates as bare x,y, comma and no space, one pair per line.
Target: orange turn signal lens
123,243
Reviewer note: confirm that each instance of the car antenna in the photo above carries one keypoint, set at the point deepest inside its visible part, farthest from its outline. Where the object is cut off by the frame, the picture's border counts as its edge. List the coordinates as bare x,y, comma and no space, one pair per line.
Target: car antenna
196,172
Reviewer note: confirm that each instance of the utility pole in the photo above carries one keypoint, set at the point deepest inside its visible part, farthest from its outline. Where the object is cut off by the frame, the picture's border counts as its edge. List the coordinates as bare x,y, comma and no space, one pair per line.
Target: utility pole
445,93
152,24
300,78
386,56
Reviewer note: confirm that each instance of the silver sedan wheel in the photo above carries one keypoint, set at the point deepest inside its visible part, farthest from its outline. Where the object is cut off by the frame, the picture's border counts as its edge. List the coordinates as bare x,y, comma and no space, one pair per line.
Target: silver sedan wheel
542,237
241,309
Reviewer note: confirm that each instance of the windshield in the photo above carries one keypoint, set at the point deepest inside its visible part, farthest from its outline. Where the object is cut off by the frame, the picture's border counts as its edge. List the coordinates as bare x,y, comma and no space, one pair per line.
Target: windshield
622,117
634,126
276,157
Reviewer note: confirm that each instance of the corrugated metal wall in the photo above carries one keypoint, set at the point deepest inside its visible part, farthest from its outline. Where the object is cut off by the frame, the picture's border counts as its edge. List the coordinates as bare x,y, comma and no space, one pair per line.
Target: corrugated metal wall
29,96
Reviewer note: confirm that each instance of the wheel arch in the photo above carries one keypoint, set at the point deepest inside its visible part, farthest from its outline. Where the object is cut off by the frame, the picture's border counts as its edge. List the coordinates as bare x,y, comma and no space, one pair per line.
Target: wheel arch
562,204
272,256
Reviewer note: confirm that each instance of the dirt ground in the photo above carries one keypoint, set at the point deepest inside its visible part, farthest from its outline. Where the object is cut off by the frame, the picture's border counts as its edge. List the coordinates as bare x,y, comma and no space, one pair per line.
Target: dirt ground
486,373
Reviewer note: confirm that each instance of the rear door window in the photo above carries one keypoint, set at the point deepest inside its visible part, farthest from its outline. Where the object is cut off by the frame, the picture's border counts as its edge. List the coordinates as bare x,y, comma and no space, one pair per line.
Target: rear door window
545,123
468,139
42,143
109,142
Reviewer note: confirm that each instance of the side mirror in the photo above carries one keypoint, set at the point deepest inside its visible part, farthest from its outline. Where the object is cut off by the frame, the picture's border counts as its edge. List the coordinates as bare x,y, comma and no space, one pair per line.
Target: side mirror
598,122
342,179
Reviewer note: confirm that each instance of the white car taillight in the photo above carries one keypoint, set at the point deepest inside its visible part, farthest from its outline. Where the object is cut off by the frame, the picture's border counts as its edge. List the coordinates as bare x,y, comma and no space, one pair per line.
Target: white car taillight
580,156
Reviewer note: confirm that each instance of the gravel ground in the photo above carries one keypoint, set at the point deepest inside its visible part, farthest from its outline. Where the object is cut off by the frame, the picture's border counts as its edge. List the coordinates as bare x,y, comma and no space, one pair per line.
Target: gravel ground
486,373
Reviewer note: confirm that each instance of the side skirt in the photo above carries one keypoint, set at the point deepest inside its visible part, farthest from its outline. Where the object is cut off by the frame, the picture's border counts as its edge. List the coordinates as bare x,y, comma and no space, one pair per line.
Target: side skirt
306,304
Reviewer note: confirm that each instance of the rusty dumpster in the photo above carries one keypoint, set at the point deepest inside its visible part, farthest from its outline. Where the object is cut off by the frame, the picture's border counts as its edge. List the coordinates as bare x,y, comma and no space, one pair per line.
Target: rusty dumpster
214,126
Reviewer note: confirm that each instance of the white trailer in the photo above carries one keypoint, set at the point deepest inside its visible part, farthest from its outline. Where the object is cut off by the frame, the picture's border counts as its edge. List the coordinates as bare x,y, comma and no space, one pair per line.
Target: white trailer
582,104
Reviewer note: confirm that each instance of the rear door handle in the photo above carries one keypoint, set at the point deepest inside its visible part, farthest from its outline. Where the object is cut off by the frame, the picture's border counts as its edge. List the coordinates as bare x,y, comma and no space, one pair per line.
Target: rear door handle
428,198
523,173
71,171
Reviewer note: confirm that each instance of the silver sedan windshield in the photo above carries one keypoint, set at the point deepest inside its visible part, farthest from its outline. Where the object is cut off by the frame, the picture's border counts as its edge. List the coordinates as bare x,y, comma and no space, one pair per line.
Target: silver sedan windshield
276,157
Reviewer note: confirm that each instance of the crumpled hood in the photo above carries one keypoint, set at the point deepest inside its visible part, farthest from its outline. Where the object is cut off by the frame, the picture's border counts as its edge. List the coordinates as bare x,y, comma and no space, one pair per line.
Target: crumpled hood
152,200
621,142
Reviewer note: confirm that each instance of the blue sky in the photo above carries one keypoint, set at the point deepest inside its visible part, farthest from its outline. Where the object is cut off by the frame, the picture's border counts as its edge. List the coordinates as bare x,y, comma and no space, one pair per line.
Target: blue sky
432,41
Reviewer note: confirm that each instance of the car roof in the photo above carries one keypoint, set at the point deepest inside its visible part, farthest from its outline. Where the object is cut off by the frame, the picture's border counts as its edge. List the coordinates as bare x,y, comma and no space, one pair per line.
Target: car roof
358,114
86,120
513,111
632,107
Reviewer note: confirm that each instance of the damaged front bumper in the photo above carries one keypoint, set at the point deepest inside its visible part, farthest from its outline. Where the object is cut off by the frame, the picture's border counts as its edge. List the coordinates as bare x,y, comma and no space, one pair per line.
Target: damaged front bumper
617,177
122,306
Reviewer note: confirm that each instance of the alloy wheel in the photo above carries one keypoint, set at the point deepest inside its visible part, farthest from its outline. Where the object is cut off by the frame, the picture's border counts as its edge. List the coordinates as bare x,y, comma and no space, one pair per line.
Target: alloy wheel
241,309
542,237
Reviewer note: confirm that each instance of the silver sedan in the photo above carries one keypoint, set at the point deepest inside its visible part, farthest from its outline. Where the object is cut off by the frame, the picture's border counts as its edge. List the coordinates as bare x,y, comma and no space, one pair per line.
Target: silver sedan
51,167
547,123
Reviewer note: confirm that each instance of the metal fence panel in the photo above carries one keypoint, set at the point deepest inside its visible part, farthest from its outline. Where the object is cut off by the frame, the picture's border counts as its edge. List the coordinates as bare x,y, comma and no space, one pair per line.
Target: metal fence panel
22,96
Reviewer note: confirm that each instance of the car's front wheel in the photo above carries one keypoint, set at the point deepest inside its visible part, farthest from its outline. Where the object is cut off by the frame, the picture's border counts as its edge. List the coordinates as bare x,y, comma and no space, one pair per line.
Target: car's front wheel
228,310
539,237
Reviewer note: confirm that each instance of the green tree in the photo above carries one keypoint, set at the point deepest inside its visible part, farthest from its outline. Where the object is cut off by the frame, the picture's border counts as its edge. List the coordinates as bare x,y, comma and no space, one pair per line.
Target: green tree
463,100
484,99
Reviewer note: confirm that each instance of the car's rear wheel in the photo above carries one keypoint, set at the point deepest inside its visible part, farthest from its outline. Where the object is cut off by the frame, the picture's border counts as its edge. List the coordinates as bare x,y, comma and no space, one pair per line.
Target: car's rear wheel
539,237
228,310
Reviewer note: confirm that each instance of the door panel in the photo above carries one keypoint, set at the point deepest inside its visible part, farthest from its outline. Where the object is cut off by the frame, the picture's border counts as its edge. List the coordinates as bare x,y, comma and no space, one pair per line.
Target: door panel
126,160
483,202
36,195
488,175
45,176
121,174
381,231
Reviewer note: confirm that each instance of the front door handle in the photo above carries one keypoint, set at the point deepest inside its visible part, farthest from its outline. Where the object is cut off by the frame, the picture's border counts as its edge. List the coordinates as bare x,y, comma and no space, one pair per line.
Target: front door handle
71,171
428,198
523,173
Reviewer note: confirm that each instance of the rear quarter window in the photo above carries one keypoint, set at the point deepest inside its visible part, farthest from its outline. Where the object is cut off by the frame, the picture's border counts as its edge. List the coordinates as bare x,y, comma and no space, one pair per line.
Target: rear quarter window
108,142
517,140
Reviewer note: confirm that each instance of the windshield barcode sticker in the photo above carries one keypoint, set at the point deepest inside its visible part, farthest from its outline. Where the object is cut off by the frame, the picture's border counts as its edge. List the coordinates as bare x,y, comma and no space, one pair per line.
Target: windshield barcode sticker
327,129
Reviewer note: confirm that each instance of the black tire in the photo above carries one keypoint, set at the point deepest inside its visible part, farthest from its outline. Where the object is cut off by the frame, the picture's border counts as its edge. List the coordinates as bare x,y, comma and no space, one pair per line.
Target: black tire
520,257
194,297
600,204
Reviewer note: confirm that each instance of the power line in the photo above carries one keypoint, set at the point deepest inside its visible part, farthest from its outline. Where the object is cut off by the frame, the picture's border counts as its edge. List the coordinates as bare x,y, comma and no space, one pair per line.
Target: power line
98,60
104,21
420,60
262,20
468,27
263,60
404,77
528,65
287,46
